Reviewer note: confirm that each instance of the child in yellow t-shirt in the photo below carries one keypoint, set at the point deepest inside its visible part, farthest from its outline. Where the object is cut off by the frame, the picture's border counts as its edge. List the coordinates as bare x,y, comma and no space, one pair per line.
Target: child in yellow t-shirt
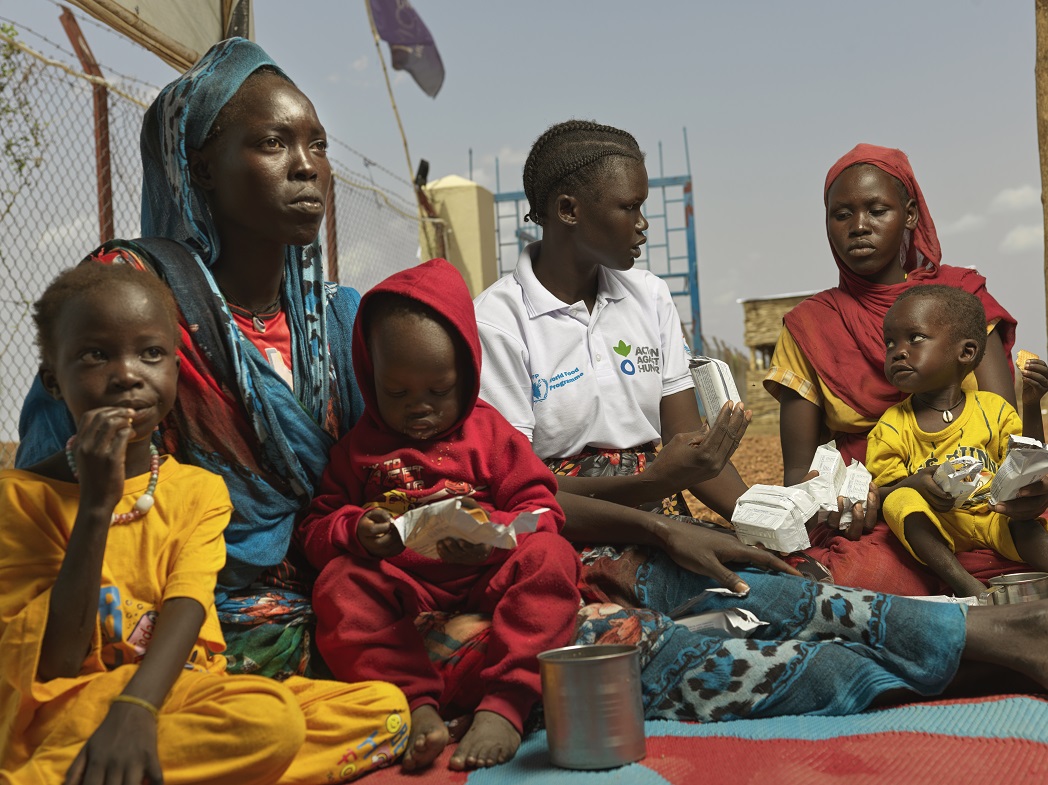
934,337
110,663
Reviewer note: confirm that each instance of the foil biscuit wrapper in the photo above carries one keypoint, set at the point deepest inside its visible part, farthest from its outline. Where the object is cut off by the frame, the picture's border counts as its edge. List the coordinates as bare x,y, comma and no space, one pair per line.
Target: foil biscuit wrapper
1025,462
774,517
423,527
960,477
714,384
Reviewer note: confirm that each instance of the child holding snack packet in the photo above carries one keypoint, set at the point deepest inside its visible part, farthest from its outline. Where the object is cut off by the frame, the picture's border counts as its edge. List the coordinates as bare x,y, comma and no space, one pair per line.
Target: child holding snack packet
109,640
934,336
425,436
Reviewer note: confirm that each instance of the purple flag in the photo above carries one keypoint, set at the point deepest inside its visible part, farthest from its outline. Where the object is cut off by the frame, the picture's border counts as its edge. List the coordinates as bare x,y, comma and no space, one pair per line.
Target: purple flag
411,46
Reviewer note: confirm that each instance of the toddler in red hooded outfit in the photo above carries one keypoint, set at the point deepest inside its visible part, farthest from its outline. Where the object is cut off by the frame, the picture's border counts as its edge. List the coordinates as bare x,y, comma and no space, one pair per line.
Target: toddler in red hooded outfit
426,436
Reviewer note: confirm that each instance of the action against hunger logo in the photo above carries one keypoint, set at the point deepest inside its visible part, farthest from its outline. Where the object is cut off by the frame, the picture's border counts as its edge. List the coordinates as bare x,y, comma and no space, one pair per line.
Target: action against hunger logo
647,359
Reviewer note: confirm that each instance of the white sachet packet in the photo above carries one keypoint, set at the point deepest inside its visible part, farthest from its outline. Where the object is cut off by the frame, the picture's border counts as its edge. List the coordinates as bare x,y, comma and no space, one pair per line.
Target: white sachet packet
774,517
1025,462
855,489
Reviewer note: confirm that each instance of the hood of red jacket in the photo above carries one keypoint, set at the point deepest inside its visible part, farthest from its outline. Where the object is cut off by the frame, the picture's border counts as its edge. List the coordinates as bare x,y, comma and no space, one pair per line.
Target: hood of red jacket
440,286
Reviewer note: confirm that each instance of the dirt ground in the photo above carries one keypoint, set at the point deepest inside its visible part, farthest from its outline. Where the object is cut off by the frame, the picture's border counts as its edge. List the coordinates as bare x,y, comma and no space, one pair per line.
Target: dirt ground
758,459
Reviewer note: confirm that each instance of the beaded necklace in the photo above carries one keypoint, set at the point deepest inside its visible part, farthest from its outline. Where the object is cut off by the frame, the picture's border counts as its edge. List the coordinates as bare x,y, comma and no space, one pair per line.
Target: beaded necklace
144,502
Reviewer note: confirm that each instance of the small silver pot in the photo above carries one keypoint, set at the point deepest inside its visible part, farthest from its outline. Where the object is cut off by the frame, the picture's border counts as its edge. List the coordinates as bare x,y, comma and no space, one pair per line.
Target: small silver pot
1017,587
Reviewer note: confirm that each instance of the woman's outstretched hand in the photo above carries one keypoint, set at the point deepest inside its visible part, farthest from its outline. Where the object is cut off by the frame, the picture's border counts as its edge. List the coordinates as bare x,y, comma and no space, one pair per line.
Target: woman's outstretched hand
863,520
694,457
705,552
864,515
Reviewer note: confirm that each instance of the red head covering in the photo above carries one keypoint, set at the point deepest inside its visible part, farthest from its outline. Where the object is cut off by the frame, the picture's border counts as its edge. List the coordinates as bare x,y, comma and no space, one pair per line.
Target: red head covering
840,329
438,285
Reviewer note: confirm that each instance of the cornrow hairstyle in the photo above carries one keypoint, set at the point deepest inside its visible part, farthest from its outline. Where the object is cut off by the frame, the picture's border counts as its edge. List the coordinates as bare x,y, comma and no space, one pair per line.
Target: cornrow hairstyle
960,311
572,156
85,279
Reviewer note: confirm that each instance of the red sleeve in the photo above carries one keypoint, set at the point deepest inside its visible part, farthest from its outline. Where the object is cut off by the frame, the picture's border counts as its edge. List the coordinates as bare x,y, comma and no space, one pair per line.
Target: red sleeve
518,479
329,529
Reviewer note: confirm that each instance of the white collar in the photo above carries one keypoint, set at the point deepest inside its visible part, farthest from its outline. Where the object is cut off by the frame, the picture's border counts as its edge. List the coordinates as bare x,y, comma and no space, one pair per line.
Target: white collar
539,300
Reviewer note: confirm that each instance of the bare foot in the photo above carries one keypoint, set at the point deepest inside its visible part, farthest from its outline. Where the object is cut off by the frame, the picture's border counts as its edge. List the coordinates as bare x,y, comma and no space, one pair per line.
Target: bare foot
491,740
428,738
1012,636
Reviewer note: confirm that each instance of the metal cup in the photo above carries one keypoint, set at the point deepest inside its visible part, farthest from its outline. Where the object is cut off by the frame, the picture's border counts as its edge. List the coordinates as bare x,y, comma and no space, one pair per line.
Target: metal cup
591,696
1017,587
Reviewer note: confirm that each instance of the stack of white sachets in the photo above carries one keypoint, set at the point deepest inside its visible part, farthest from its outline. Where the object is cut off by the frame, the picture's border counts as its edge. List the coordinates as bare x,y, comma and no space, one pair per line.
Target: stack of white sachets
837,480
714,384
776,517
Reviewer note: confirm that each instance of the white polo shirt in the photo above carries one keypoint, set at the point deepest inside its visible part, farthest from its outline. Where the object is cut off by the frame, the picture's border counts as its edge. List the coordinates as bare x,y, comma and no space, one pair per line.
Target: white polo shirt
567,378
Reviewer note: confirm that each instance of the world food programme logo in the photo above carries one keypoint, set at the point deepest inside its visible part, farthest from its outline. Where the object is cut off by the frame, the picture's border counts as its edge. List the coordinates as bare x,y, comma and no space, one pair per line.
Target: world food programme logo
539,388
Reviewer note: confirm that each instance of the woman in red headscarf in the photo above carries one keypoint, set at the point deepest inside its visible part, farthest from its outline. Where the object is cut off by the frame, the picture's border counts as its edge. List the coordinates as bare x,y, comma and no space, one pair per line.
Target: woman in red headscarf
828,367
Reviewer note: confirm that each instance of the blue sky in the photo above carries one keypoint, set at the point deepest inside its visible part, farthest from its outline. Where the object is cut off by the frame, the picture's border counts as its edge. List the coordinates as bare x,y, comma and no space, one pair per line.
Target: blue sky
771,94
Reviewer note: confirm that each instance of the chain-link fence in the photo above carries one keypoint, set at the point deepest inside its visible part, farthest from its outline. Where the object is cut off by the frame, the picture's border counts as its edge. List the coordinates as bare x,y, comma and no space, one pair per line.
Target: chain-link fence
49,214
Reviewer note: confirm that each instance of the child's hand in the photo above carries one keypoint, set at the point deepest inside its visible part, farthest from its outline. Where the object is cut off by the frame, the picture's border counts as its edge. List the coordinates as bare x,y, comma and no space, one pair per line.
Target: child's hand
1035,382
455,551
922,481
378,535
101,448
123,749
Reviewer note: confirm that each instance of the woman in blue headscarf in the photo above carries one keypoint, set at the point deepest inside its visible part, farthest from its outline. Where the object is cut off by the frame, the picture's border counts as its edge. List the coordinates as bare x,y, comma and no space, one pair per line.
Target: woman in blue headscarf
235,182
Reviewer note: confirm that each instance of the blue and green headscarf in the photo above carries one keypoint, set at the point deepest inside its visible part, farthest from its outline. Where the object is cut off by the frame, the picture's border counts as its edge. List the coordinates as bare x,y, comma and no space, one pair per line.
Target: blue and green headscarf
234,415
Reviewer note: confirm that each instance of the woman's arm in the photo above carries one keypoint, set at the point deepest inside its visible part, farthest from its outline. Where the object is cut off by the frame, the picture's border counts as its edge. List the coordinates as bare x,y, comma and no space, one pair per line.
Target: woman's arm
695,458
800,429
994,373
695,548
800,433
679,414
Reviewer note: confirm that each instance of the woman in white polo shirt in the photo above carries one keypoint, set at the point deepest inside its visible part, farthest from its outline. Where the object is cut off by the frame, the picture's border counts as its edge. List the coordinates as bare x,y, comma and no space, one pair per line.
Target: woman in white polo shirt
585,355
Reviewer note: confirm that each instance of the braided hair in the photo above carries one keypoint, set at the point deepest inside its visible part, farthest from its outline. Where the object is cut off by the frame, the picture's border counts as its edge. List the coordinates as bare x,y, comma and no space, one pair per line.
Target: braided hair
572,156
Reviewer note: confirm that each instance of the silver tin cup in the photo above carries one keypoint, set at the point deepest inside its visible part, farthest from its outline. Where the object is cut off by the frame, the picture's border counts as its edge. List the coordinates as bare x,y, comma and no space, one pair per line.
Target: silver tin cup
591,696
1017,587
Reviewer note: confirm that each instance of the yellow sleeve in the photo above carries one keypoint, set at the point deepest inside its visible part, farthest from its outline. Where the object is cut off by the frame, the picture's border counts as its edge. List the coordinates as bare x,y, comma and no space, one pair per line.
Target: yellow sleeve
790,369
885,458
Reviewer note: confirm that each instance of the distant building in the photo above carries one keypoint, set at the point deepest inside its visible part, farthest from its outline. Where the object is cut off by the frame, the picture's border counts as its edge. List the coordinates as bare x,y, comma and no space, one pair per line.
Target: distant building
762,321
